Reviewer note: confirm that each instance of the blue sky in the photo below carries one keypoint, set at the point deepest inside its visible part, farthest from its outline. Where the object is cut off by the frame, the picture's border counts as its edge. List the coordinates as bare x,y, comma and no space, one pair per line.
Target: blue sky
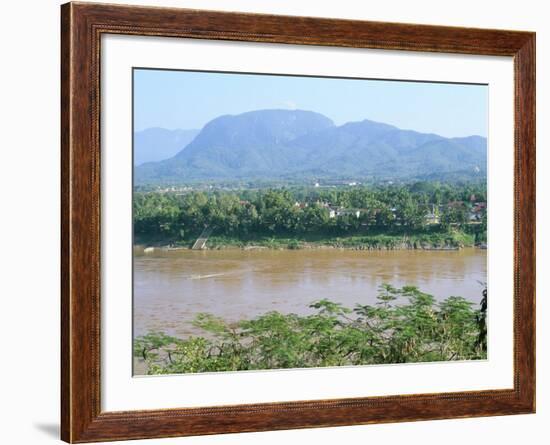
187,100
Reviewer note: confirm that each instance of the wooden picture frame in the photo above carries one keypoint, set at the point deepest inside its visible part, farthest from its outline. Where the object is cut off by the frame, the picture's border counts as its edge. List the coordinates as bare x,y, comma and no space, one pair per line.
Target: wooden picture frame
82,25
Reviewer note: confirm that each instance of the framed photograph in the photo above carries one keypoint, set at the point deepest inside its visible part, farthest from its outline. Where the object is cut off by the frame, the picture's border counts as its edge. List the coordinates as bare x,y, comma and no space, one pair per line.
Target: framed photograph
274,222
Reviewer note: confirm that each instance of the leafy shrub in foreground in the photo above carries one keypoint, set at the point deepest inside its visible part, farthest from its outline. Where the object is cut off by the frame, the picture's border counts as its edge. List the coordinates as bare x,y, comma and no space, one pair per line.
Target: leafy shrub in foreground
404,326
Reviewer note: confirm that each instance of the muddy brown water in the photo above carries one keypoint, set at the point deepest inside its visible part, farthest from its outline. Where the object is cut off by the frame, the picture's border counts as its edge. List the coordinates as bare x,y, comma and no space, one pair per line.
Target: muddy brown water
171,287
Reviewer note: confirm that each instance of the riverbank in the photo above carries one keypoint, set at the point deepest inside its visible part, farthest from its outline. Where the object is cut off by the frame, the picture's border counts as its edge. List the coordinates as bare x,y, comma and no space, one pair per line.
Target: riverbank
419,241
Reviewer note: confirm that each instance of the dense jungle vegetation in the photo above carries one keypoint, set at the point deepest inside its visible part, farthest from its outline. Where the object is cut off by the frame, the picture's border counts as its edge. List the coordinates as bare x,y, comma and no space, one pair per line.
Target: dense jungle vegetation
377,215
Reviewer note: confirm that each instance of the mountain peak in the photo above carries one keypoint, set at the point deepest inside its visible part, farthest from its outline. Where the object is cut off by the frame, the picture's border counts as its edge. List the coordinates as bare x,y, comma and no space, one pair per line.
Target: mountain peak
260,129
272,116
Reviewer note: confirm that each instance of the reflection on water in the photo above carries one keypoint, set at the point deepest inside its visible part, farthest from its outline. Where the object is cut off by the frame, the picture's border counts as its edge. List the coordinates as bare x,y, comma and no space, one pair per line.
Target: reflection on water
171,287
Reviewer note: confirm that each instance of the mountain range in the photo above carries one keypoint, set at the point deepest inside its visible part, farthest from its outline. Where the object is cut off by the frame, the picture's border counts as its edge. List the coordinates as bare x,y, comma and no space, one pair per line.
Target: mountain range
297,144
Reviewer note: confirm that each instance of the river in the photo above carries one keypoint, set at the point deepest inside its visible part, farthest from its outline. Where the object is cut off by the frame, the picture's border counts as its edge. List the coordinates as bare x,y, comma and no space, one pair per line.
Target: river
171,287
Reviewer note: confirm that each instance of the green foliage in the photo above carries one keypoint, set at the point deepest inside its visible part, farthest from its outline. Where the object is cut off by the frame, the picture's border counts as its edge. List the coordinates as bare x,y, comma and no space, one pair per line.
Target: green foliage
302,212
294,245
454,216
405,325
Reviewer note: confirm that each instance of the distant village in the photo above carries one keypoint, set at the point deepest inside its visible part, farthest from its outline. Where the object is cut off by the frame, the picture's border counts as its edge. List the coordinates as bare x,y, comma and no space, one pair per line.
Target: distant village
181,189
474,210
